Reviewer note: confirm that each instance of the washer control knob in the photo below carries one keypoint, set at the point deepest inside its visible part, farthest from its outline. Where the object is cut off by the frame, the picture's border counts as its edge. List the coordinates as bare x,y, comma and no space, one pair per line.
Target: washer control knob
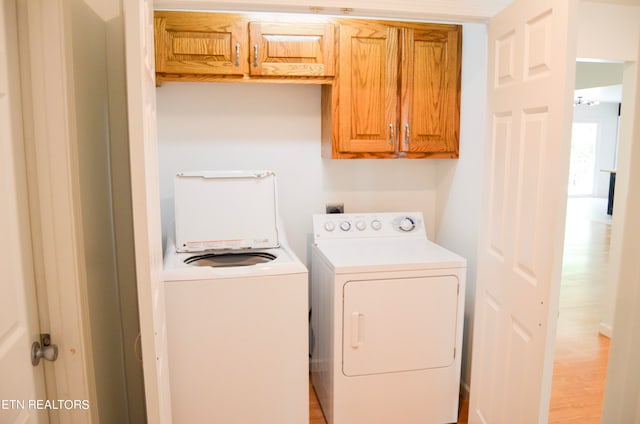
361,225
345,225
376,225
407,224
329,226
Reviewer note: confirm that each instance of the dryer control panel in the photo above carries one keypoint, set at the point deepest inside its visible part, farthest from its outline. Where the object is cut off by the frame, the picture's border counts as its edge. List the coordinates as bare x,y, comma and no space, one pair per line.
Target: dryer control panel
368,225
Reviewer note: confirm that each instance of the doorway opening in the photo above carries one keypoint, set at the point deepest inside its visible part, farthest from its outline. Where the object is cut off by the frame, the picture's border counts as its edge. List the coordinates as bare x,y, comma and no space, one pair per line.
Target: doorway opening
582,351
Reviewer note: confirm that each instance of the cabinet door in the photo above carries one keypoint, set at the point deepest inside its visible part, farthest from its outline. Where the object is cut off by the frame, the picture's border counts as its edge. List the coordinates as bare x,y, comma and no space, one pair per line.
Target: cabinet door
291,49
368,88
430,105
200,43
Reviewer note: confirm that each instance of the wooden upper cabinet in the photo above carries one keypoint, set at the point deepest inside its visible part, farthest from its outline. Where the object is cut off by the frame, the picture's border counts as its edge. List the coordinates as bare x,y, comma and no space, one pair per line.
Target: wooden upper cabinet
392,89
367,88
291,49
201,43
430,93
207,46
396,91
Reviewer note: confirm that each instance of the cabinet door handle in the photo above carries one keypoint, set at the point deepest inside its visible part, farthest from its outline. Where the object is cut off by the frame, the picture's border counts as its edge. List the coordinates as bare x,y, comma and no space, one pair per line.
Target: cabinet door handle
390,134
407,134
255,55
237,54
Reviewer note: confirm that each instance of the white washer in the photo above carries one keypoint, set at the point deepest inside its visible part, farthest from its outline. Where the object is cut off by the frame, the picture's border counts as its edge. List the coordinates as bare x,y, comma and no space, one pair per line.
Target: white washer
236,305
387,315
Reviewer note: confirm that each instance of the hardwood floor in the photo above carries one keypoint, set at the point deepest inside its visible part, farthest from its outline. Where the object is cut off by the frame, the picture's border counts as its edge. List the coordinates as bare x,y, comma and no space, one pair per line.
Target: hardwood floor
581,355
315,412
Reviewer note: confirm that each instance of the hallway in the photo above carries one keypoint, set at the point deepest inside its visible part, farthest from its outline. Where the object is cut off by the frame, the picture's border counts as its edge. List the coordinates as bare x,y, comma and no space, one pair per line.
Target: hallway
581,352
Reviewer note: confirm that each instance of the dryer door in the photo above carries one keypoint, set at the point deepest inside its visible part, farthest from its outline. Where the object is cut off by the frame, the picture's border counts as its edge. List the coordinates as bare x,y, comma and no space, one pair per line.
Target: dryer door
399,325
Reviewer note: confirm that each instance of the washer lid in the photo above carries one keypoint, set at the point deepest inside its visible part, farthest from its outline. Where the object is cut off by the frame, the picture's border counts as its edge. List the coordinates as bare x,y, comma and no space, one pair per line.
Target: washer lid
225,210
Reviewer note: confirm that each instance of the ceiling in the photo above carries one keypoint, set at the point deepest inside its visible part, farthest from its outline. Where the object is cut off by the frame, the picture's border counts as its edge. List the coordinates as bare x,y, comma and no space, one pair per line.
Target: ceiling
456,10
599,81
460,10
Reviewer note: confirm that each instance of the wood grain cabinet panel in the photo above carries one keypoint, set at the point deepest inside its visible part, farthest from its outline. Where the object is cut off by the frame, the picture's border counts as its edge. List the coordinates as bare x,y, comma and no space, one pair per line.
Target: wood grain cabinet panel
200,43
368,88
396,91
291,49
430,94
208,46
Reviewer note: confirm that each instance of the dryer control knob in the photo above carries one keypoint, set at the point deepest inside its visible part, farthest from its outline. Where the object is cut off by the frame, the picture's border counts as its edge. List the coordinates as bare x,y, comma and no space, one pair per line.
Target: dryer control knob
361,225
376,225
407,224
329,226
345,225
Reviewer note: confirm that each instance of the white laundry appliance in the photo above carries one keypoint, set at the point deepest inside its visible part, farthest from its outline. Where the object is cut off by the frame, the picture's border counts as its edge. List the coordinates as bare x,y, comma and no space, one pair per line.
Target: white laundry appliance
236,300
387,317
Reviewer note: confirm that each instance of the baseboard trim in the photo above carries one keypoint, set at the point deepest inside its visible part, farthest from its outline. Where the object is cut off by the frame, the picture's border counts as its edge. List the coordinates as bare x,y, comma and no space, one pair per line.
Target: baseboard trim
605,329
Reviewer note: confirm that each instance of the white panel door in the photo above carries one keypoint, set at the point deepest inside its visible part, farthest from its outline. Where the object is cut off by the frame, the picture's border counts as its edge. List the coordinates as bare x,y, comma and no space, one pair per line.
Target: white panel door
20,382
531,76
399,324
146,205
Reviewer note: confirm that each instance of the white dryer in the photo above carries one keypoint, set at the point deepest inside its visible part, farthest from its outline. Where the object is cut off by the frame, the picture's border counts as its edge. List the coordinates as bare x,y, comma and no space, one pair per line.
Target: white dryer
236,300
387,317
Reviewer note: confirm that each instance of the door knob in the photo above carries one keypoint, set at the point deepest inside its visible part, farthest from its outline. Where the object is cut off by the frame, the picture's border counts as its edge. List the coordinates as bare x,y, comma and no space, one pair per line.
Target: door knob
43,349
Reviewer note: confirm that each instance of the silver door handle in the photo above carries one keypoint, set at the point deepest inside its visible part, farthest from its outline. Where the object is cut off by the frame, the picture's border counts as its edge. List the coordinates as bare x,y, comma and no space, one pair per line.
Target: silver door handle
237,54
255,55
390,134
407,134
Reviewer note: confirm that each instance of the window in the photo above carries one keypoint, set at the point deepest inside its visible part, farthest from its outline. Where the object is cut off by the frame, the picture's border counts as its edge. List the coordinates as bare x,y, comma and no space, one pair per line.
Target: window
583,158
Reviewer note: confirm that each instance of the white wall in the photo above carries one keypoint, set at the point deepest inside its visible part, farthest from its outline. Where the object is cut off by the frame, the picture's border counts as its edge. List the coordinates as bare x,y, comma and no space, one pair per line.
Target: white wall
459,188
90,88
607,31
622,395
606,116
209,126
98,74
